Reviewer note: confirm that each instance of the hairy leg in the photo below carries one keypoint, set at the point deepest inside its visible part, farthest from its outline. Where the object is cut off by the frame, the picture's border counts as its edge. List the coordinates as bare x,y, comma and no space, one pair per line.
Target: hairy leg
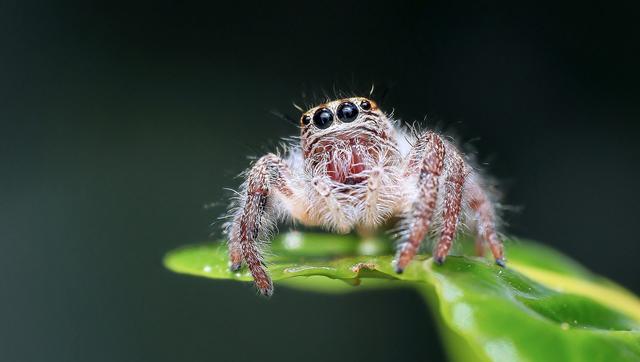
421,209
235,255
452,207
338,219
269,177
371,215
485,220
473,229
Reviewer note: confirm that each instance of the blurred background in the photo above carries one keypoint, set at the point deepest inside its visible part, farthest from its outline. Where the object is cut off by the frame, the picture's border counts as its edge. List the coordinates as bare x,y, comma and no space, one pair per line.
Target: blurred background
120,121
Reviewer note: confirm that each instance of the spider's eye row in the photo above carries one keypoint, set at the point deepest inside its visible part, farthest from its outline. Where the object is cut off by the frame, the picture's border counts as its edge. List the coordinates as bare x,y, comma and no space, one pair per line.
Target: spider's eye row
347,112
323,118
366,105
306,119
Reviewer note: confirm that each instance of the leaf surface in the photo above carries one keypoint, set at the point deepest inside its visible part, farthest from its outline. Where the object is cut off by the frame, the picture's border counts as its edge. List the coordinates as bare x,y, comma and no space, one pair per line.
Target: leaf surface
542,307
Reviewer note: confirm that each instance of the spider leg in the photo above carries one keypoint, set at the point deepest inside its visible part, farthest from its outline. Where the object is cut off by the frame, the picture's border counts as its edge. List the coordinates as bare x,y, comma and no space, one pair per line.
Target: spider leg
418,219
479,245
269,178
473,228
485,220
235,255
371,213
452,207
333,210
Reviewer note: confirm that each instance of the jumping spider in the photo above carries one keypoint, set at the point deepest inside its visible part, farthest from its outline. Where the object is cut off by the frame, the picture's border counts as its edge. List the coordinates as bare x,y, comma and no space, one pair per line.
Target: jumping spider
354,168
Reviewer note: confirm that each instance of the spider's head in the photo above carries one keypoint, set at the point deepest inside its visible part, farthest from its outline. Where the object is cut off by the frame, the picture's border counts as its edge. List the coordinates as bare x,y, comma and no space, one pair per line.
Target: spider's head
341,117
339,135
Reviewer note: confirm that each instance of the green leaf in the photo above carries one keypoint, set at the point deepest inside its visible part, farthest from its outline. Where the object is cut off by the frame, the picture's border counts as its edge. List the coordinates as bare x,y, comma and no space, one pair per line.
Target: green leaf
542,307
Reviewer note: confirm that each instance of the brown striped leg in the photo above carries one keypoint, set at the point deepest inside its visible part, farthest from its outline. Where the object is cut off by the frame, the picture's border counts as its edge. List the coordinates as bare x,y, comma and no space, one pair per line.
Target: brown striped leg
421,212
252,222
485,220
452,207
250,229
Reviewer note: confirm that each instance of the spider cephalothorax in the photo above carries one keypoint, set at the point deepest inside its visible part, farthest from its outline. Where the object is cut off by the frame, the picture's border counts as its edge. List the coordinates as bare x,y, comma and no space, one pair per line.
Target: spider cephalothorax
345,138
355,169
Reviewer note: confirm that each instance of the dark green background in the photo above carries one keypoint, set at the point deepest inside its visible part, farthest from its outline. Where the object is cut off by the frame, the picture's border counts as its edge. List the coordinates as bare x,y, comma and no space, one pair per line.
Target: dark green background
120,121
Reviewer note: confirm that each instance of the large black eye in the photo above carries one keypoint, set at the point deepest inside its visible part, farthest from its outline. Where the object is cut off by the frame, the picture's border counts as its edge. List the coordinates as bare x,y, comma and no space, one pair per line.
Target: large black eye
347,112
323,118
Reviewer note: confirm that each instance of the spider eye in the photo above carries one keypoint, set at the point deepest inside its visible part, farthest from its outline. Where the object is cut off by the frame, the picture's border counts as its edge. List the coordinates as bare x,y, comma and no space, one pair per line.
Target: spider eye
347,112
306,119
366,105
323,118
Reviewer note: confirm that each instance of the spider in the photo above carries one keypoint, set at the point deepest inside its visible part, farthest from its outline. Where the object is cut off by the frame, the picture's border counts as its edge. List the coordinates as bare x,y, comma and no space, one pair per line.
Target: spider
354,168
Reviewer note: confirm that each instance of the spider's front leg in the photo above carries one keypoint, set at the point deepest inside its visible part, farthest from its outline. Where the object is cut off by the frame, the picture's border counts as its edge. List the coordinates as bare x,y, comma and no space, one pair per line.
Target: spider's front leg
268,179
429,153
452,205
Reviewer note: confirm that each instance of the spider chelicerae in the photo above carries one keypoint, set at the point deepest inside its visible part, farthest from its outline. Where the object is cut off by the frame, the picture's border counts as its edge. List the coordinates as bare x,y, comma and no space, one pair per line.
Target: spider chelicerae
355,168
